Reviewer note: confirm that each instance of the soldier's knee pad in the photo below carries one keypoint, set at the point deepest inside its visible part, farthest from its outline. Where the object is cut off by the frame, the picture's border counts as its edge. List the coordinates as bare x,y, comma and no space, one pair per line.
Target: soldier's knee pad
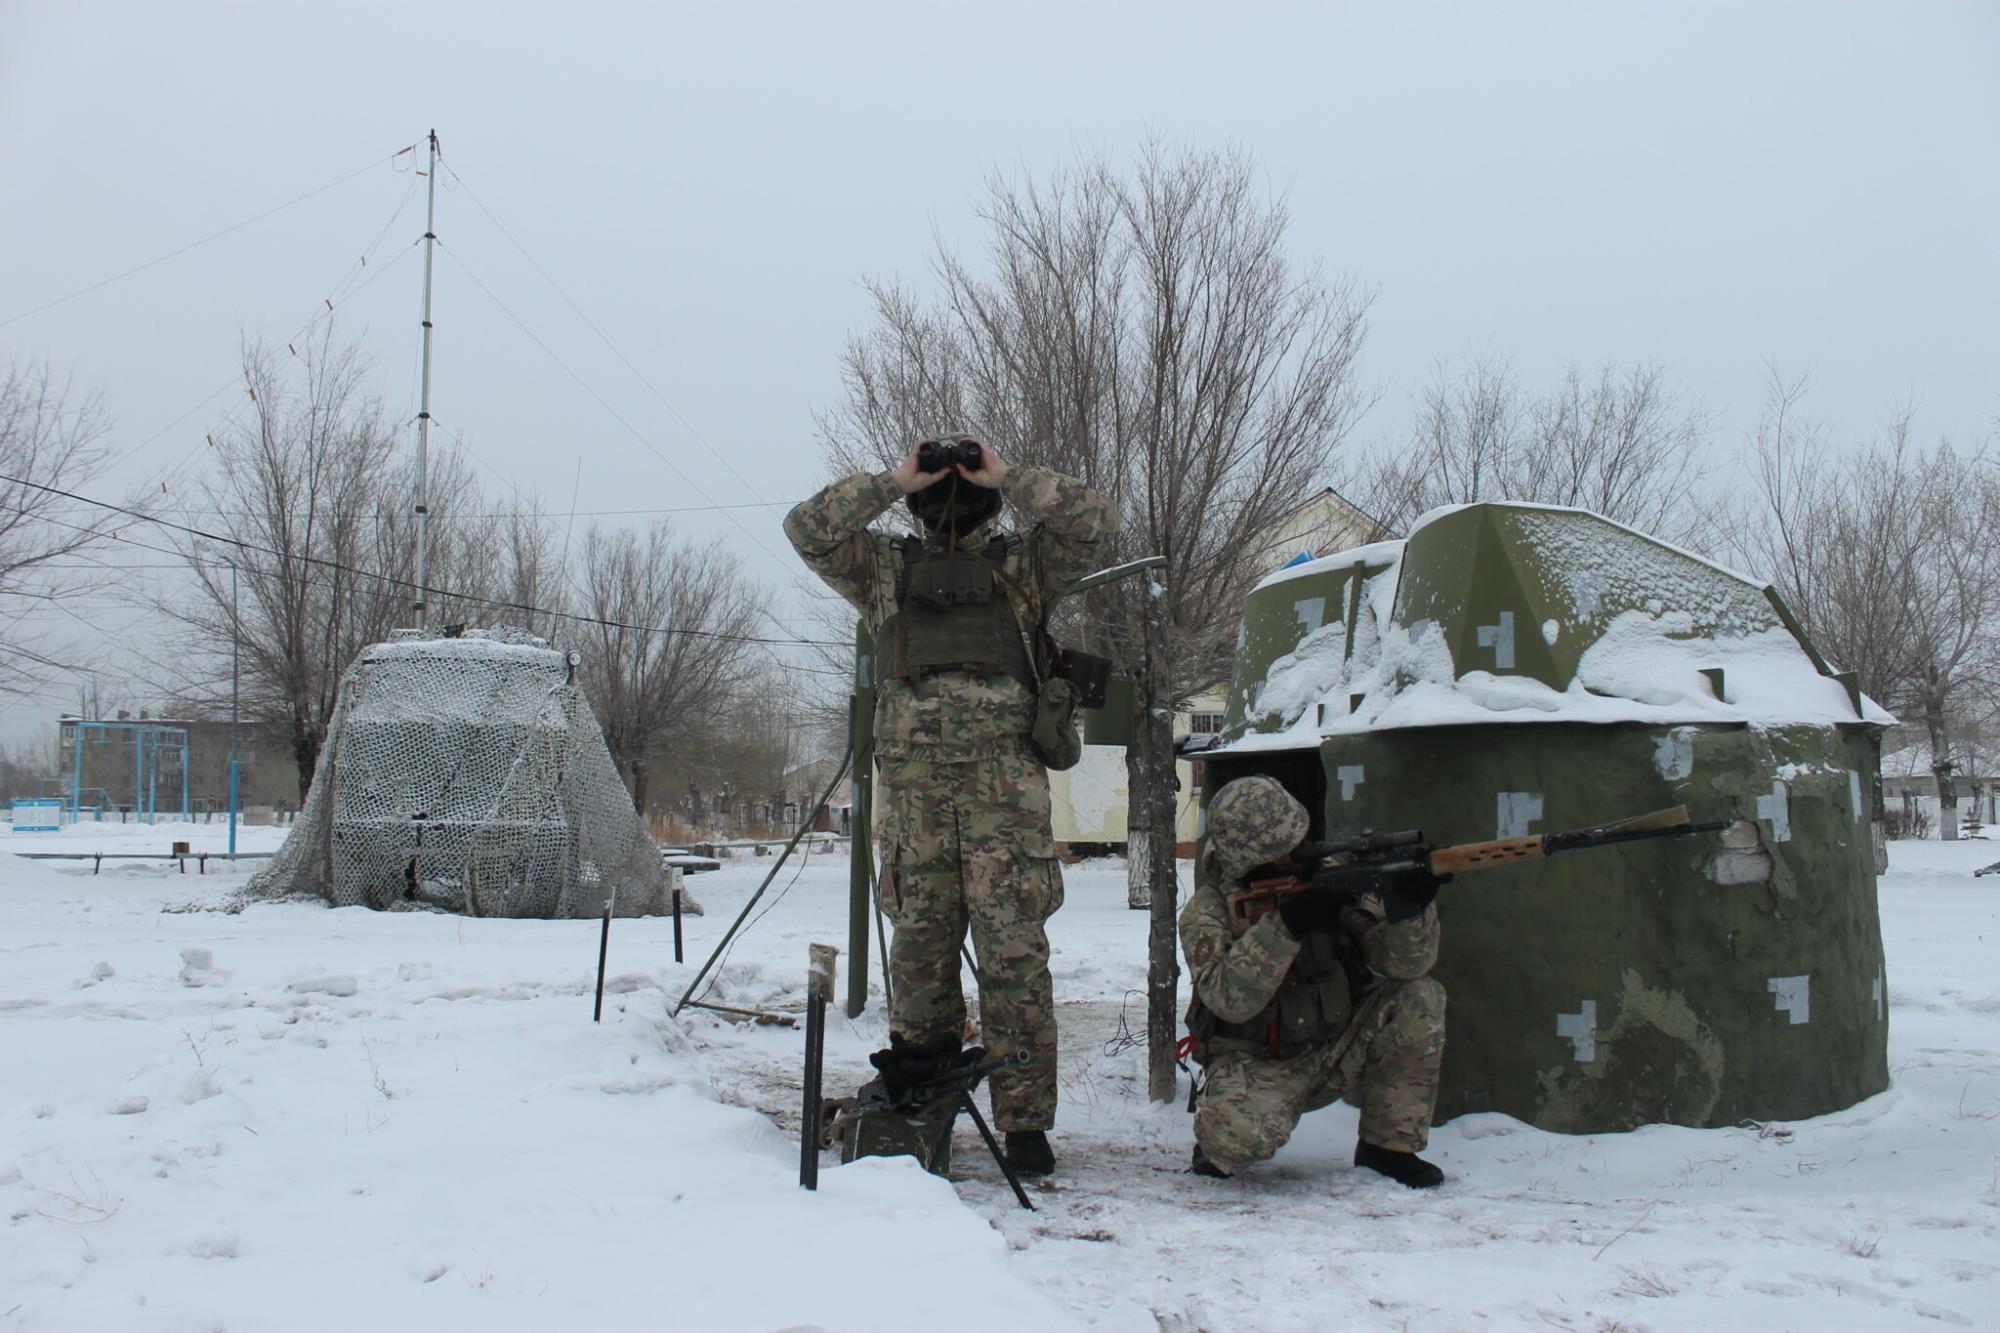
1233,1137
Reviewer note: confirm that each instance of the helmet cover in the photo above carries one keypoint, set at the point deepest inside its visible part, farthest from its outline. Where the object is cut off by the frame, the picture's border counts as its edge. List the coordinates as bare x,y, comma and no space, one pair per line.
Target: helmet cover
1253,820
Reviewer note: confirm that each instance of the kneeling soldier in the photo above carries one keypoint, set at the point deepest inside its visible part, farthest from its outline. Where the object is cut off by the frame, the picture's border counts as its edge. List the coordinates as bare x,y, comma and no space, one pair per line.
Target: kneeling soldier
1323,998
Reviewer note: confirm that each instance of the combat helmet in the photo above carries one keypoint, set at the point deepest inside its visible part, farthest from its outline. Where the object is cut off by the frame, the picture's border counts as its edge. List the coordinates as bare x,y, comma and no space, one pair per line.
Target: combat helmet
1250,821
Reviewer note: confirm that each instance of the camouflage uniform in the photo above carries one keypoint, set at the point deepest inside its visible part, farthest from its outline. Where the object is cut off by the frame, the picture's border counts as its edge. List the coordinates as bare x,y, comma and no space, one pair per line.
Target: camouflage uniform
1285,1026
963,811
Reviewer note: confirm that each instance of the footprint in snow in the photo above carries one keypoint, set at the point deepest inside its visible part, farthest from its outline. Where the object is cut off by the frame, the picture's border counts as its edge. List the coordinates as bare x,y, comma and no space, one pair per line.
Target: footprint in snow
218,1245
340,986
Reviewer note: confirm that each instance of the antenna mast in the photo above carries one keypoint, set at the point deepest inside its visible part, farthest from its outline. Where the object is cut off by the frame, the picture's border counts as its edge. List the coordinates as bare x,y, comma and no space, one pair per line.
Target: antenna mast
424,405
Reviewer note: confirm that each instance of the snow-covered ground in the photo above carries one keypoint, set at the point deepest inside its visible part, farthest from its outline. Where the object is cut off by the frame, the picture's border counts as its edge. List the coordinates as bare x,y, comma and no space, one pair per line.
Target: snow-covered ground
296,1118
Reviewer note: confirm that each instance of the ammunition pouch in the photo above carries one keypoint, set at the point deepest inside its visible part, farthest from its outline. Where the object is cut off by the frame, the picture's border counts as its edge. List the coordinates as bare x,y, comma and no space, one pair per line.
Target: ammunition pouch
1066,680
1054,736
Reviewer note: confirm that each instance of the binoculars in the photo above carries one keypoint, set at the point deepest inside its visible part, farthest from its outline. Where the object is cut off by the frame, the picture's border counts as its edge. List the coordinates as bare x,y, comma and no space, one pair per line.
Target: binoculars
942,455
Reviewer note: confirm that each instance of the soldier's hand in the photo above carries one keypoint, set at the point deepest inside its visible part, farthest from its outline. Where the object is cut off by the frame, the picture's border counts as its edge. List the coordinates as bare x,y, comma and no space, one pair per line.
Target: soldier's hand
992,469
907,477
1406,896
1313,911
909,1063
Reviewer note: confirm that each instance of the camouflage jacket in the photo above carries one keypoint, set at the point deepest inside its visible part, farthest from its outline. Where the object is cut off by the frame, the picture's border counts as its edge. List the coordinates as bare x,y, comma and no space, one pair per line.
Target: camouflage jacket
954,715
1272,994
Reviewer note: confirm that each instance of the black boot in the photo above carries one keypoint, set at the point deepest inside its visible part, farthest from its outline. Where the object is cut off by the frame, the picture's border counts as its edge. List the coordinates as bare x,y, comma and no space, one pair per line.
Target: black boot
1405,1168
1201,1166
1029,1153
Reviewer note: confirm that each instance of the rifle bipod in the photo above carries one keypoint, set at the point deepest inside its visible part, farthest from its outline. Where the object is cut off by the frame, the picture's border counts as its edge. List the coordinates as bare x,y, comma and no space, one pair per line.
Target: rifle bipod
966,1104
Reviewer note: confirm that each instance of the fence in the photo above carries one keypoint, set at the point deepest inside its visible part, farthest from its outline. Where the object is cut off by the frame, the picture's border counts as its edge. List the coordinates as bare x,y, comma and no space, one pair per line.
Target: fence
47,815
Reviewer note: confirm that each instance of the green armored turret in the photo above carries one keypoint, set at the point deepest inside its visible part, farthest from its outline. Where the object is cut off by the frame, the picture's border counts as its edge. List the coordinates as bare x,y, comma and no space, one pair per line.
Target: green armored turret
1515,669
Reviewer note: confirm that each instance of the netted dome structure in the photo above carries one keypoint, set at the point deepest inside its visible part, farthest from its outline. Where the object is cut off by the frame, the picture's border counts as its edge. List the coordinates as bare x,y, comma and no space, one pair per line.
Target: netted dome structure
468,774
1516,669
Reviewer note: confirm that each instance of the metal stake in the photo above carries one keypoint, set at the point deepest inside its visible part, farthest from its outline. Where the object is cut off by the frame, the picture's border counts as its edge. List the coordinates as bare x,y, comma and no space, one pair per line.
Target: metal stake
820,971
235,706
603,948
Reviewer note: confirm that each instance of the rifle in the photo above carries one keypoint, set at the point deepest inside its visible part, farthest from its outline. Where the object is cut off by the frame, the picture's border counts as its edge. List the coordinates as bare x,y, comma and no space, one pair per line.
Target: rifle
1375,860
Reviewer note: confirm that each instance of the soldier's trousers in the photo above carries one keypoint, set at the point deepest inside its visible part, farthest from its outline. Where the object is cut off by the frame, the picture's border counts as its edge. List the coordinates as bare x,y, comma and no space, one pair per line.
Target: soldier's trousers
967,846
1390,1070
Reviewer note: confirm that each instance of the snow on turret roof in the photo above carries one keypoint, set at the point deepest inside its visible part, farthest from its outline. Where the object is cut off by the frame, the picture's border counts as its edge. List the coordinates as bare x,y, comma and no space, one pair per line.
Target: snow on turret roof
1637,632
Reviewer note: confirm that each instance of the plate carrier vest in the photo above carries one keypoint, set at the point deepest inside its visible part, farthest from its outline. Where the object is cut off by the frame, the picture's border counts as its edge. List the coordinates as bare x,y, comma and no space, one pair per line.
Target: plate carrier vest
953,615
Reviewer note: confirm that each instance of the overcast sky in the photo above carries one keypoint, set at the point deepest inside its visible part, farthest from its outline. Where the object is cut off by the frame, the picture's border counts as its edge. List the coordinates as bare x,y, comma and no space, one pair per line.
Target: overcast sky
1708,186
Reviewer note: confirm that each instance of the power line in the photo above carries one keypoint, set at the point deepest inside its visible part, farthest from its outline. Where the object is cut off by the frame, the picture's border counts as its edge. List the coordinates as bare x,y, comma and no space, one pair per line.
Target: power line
390,579
213,236
522,513
603,337
327,308
601,401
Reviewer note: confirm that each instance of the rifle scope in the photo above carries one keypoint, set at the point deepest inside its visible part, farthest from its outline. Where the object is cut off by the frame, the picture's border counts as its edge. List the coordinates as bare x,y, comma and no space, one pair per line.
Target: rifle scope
1366,844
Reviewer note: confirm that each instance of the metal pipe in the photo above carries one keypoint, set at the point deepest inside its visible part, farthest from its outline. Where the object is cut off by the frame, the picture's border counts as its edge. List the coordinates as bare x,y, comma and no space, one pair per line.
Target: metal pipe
424,404
860,822
235,705
819,993
603,948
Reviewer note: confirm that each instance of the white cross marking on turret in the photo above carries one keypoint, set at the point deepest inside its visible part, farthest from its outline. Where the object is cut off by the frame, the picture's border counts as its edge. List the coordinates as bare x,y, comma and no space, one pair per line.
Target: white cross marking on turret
1515,811
1581,1029
1500,638
1794,997
1777,808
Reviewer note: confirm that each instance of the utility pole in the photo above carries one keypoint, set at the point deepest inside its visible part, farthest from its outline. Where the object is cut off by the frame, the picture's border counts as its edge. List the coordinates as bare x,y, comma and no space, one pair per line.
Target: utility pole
424,405
235,704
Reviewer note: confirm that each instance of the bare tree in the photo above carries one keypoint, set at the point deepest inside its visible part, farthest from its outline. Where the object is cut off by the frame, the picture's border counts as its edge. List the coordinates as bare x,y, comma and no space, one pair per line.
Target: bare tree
52,439
314,504
667,639
1886,554
29,768
1145,331
1624,444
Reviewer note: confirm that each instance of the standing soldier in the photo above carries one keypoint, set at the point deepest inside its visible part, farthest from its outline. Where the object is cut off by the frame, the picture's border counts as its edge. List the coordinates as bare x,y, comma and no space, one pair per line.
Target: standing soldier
1324,997
964,814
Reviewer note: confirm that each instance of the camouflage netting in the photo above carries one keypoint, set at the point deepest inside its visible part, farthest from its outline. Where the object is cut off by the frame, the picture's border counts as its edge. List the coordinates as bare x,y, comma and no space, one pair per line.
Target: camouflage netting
1514,669
469,775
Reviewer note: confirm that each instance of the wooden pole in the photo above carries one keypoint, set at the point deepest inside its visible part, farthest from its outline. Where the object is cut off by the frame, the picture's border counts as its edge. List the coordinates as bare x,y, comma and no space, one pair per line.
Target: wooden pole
1156,738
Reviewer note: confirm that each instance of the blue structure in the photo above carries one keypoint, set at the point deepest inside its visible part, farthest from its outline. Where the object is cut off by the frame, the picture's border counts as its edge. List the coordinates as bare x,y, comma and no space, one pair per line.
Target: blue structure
154,746
37,814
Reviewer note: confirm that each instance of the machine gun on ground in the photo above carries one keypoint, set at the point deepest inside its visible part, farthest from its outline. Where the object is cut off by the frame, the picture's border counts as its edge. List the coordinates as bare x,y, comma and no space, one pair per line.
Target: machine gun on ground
892,1117
1374,861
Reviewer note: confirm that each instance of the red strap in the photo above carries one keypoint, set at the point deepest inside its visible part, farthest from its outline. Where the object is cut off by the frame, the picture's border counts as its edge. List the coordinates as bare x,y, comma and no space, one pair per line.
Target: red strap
1186,1046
